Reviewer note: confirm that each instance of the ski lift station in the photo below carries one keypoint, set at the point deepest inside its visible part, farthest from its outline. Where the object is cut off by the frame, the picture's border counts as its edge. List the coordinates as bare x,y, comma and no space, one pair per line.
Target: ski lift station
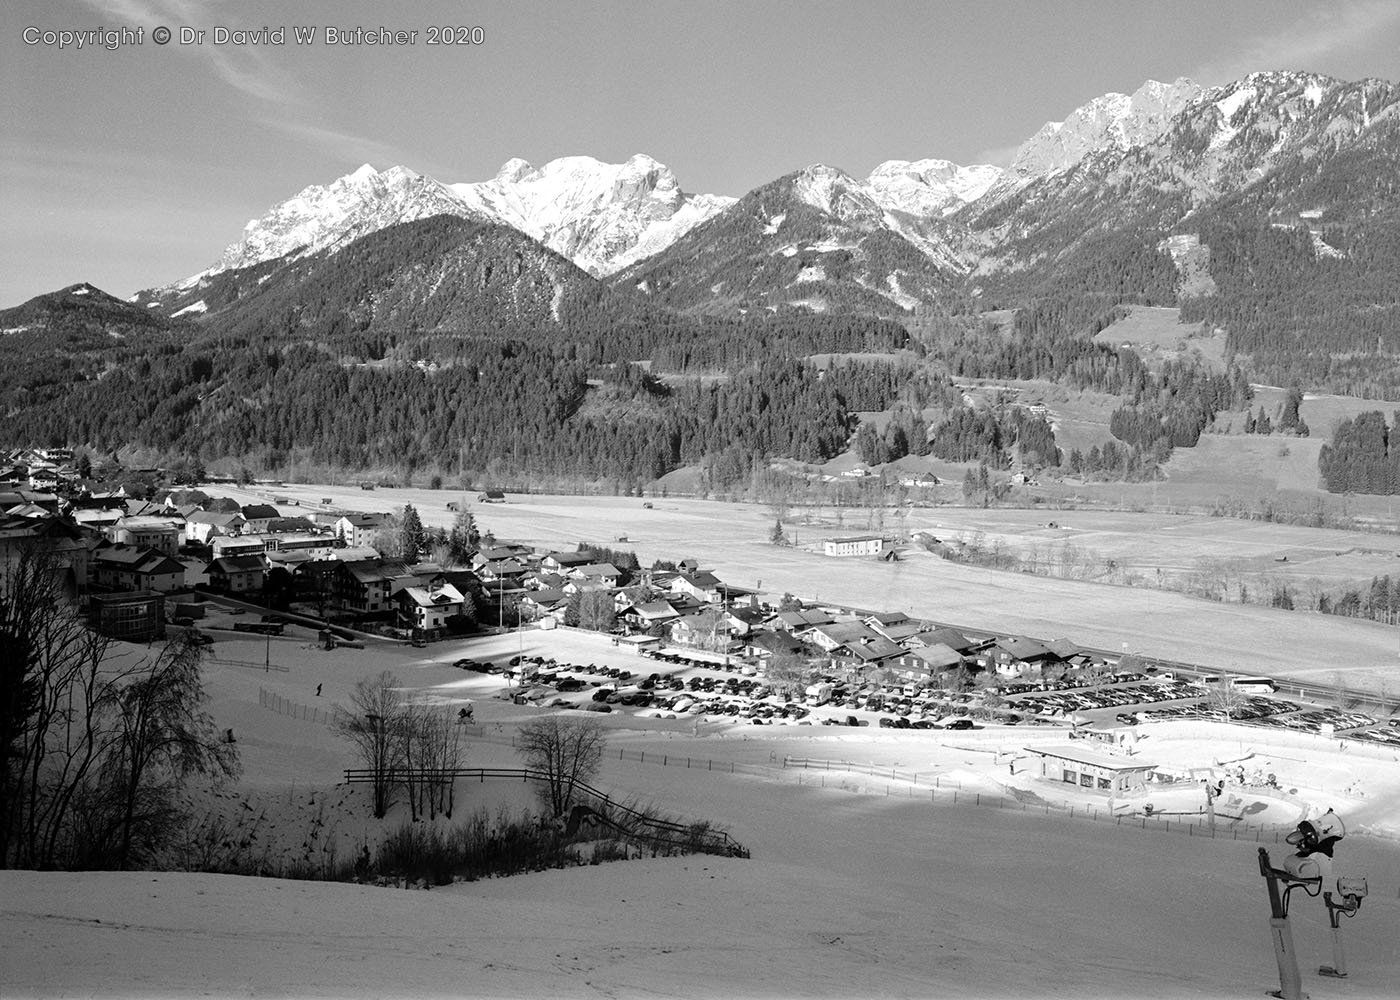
1089,769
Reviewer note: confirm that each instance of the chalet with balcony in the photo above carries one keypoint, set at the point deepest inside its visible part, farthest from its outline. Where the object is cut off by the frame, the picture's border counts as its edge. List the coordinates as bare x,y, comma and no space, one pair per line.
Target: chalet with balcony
429,607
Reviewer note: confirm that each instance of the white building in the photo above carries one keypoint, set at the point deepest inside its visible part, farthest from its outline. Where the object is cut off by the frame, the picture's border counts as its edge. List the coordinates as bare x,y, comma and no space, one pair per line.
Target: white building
857,545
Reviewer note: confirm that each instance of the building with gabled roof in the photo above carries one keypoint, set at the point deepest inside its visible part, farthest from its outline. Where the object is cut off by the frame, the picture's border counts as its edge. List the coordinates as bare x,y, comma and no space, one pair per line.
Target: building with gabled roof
367,586
836,634
560,561
946,636
602,572
429,607
203,525
648,614
135,567
161,532
259,516
358,528
701,584
767,644
796,621
937,657
237,574
537,603
1013,656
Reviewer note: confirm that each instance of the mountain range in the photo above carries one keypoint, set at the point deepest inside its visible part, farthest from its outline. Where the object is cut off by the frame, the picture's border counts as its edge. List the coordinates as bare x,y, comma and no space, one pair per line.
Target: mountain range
392,319
1125,181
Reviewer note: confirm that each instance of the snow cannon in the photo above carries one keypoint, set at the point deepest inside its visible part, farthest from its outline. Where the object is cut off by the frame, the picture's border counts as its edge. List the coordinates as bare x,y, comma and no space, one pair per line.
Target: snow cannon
1310,869
1319,835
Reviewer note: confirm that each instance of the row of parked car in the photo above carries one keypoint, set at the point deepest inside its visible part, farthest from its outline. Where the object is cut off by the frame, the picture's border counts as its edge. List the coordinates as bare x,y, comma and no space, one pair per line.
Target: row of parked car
1146,693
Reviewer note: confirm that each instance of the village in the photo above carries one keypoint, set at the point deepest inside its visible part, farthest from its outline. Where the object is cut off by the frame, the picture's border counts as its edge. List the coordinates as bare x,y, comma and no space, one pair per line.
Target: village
702,648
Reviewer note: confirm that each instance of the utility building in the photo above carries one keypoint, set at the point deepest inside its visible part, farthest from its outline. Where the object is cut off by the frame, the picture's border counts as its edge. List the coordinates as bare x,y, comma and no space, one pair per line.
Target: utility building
1089,769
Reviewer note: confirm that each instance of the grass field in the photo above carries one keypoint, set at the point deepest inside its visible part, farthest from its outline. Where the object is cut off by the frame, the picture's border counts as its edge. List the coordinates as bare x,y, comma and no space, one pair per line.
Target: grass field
1157,335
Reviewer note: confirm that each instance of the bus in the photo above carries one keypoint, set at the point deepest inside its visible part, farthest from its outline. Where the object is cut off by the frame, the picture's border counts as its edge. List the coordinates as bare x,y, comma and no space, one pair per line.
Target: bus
1261,684
261,628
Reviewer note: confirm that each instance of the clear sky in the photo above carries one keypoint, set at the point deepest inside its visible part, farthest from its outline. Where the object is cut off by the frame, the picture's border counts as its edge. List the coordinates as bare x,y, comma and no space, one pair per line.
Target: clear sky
135,166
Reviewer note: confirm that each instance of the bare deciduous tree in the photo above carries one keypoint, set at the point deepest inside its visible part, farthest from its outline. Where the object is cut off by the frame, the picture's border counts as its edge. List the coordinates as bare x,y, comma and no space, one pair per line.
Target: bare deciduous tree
1225,699
370,725
94,747
788,673
566,751
164,739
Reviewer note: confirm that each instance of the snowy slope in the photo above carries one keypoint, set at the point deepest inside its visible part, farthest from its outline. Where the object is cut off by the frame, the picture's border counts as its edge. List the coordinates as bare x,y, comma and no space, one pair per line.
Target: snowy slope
851,893
859,886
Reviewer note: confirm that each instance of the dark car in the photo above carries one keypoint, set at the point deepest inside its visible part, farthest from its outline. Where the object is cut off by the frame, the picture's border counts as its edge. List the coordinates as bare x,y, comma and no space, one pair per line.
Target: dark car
959,724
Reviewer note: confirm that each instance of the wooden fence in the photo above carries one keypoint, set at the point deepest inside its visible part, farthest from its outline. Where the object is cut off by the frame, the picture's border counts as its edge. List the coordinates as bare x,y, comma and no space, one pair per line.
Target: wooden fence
631,822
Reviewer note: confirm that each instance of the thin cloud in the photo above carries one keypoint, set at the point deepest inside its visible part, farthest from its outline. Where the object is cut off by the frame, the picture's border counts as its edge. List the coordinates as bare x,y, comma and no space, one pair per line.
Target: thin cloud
247,70
1327,32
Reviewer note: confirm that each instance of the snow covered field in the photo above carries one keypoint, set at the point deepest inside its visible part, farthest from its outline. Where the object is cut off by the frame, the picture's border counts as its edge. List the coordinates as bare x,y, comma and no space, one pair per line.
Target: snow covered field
860,885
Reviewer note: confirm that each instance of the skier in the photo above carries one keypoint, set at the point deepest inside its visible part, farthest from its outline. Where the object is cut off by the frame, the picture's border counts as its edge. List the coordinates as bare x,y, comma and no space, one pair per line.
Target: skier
318,690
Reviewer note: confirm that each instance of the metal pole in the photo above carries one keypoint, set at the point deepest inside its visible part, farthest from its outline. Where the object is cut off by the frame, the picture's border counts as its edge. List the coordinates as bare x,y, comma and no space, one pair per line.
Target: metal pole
1338,968
1290,981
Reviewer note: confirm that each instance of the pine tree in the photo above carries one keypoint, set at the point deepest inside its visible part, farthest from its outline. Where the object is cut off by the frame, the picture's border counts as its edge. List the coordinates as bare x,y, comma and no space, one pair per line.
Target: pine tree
463,540
412,537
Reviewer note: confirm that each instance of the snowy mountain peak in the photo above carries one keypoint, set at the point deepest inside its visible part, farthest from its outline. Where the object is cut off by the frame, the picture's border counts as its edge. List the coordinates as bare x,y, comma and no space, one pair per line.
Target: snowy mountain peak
514,170
1111,121
929,187
320,217
601,215
833,191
